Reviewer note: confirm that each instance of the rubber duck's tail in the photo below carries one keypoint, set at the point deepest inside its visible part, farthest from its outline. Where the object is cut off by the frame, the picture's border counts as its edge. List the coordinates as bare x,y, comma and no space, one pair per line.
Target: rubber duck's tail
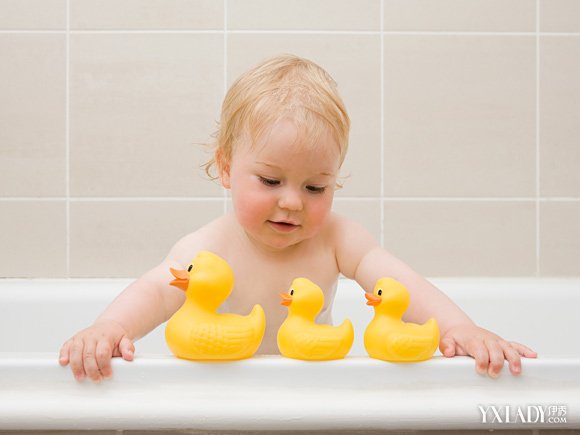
432,326
258,319
347,332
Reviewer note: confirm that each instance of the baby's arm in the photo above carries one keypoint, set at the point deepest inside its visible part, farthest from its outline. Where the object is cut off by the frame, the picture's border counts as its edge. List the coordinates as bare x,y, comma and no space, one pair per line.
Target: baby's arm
361,258
143,305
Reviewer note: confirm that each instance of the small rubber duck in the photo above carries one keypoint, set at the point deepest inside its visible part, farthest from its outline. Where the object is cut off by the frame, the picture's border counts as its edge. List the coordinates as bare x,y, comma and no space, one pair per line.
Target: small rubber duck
299,337
389,338
196,331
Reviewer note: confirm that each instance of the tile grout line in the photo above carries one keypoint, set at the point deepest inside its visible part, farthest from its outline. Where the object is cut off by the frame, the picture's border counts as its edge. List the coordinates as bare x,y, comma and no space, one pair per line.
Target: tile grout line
538,217
224,190
67,142
295,32
382,124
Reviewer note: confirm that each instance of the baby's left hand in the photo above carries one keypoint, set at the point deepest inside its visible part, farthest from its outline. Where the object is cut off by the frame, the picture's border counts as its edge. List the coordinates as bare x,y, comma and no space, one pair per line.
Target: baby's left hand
488,349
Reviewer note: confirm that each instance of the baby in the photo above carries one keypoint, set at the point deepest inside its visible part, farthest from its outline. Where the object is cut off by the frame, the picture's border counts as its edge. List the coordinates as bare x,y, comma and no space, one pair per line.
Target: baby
282,139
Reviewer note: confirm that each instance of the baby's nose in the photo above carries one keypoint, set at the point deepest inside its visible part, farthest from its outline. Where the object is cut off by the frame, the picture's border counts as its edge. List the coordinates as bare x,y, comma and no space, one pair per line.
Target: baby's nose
290,200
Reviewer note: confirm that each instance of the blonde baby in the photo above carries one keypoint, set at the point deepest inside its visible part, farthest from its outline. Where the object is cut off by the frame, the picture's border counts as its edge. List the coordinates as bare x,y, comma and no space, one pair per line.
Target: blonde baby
283,136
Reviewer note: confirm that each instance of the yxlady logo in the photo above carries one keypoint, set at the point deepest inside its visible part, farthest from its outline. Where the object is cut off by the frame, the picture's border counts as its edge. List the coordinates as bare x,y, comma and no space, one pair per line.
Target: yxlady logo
531,414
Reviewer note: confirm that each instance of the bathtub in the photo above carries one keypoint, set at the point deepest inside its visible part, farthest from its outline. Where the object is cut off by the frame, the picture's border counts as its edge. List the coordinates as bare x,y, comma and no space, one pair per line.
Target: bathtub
158,391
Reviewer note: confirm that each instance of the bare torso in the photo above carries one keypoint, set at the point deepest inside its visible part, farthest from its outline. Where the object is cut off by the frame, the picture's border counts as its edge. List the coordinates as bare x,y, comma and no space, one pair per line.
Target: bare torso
260,276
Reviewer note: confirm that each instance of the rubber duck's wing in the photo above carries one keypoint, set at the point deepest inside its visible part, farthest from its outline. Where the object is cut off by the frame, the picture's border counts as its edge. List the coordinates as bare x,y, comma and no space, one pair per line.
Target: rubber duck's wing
214,338
405,344
316,346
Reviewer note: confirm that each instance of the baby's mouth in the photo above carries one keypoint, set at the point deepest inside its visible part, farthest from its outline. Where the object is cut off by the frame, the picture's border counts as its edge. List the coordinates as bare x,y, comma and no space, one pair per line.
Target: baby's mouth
282,226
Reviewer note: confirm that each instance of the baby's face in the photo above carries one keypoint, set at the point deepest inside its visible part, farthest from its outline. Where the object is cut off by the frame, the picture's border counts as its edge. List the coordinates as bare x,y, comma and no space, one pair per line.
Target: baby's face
282,191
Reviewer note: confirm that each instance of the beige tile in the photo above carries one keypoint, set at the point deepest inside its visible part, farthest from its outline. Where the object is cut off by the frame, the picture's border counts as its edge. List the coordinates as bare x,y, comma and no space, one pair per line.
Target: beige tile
460,15
127,238
365,212
559,15
559,115
66,432
559,432
293,432
253,432
63,432
304,15
33,235
140,106
33,14
560,238
32,115
339,432
463,238
353,61
476,432
459,116
147,14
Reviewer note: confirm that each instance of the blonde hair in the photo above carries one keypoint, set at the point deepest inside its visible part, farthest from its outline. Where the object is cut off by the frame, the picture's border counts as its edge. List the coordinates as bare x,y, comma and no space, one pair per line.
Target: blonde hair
285,86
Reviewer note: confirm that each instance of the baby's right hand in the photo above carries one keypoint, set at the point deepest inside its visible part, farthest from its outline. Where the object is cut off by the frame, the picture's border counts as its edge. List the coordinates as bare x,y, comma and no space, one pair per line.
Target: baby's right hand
90,351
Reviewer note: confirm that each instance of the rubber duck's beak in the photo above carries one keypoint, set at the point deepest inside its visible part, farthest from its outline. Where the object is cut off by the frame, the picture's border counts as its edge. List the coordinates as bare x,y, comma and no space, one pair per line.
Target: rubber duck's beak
286,299
182,278
372,299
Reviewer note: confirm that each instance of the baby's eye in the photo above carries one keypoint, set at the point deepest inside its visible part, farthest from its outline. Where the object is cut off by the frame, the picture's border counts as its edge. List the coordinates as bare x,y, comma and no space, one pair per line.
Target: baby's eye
269,181
316,189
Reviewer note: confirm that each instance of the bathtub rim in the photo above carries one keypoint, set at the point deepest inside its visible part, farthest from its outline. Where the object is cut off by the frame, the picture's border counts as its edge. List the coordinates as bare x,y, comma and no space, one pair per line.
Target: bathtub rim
55,384
425,385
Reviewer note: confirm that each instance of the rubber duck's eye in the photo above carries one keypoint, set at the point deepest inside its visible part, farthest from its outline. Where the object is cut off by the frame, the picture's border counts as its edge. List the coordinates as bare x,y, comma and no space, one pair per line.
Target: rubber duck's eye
190,267
380,292
292,292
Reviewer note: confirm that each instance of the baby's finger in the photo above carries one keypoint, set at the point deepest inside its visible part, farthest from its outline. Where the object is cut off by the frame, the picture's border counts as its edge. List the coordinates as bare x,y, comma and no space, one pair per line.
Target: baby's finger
63,357
513,358
523,350
90,361
104,353
76,359
127,349
496,358
478,351
459,350
447,347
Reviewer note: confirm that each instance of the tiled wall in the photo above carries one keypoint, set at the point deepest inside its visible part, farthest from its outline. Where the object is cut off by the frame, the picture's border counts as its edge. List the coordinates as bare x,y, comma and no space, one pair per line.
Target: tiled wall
465,146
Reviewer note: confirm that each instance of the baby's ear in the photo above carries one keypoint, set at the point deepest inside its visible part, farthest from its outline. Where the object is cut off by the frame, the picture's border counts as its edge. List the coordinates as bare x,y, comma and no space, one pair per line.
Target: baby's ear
223,169
225,177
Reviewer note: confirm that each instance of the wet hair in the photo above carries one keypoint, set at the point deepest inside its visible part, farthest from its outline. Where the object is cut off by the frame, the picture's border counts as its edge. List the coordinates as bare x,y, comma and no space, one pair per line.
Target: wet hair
282,87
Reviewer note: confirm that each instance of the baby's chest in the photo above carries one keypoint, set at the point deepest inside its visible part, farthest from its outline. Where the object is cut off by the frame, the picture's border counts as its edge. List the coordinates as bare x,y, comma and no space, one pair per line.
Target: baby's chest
262,282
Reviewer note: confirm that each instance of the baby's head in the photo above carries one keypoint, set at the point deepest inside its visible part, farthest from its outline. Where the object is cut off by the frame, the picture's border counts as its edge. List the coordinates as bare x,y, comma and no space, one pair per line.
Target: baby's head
283,87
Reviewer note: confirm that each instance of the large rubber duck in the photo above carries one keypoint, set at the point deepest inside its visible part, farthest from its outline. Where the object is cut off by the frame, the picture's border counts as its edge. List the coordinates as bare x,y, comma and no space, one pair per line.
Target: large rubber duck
389,338
196,331
299,337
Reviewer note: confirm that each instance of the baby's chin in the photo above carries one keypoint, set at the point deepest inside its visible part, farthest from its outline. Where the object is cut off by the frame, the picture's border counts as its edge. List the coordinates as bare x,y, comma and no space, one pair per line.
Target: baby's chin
274,242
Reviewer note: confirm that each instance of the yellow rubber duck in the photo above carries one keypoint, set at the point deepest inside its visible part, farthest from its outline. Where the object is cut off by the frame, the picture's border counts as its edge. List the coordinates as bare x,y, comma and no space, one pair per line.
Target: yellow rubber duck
299,337
387,337
196,331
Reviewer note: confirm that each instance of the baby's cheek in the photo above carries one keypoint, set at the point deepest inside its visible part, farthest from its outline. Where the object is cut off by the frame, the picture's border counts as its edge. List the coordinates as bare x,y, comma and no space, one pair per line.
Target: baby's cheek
320,212
249,212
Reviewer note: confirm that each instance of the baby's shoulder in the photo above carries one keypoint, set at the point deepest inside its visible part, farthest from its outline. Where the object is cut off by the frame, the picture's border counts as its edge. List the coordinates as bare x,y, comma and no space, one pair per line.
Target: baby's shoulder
211,237
339,226
351,241
345,233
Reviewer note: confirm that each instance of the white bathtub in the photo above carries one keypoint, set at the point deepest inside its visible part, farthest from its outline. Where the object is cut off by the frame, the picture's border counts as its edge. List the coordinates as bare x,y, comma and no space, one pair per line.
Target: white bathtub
273,393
